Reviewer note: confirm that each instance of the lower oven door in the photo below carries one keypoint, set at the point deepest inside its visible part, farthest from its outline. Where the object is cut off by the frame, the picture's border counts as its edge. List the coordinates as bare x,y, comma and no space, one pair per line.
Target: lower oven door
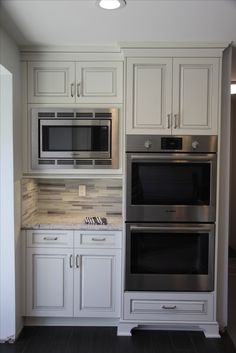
169,257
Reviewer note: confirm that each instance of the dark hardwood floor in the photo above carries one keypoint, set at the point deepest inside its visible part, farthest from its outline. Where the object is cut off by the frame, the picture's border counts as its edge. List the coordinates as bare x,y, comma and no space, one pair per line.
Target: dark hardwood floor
104,340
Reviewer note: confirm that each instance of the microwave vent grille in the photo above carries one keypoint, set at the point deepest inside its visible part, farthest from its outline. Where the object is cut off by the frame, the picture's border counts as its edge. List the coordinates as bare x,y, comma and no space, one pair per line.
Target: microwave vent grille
65,115
65,162
46,115
103,115
84,115
46,161
102,162
84,162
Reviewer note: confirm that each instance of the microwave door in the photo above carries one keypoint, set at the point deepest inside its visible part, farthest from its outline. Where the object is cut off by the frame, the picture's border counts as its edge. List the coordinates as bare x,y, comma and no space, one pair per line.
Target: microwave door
74,139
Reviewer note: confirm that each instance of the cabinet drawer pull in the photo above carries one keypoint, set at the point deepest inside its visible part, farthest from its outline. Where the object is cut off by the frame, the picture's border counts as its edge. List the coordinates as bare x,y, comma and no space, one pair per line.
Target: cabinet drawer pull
71,261
77,261
169,307
72,90
78,89
98,239
50,238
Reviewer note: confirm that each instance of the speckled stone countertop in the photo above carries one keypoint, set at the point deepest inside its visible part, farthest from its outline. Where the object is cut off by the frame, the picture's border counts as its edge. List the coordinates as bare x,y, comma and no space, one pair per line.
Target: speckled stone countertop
42,221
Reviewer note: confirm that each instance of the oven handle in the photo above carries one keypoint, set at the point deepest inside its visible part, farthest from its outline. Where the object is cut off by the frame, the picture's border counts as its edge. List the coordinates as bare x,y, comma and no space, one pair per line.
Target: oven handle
175,228
174,157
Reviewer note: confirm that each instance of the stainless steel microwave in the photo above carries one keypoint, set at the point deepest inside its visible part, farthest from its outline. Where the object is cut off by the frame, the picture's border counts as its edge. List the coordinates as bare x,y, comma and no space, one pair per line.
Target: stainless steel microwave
78,138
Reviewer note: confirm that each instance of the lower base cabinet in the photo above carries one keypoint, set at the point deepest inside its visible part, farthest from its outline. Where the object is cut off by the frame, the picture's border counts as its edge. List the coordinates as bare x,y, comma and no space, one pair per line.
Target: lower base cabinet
73,273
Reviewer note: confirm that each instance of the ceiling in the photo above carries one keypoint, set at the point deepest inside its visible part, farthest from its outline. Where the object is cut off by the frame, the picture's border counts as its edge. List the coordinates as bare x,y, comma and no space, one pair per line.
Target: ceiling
81,22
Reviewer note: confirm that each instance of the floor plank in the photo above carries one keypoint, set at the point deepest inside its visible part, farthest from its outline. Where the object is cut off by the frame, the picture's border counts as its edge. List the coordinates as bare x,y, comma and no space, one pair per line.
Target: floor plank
104,340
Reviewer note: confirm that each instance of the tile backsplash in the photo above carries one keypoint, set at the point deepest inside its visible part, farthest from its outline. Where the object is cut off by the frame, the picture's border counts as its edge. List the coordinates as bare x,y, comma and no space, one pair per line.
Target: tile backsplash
61,197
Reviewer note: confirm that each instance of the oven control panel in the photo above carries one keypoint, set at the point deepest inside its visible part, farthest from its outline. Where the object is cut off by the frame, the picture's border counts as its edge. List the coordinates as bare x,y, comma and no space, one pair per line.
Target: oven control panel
171,143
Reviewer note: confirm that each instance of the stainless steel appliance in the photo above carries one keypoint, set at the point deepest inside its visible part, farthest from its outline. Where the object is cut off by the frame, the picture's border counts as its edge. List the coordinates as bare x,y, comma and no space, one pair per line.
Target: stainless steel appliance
169,257
74,138
170,213
171,179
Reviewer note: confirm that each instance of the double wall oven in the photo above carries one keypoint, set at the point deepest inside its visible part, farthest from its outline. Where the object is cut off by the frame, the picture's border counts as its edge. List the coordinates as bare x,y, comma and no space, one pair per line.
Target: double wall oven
170,213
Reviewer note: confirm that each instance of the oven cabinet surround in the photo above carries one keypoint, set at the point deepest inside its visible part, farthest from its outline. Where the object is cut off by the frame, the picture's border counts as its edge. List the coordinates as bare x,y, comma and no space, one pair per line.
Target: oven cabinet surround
73,273
75,82
172,95
179,310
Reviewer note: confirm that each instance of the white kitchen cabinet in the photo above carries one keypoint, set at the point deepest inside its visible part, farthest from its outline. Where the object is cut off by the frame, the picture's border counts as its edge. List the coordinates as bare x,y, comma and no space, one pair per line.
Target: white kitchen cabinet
75,82
51,82
97,283
172,96
49,289
73,273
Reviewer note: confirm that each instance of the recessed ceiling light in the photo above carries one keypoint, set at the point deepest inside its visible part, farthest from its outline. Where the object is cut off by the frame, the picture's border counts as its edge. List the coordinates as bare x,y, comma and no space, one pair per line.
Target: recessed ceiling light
111,4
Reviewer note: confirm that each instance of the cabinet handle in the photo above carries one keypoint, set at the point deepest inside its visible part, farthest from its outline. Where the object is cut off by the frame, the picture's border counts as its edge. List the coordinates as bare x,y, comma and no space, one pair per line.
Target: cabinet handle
78,90
169,307
77,261
175,121
72,90
168,121
71,261
50,238
98,239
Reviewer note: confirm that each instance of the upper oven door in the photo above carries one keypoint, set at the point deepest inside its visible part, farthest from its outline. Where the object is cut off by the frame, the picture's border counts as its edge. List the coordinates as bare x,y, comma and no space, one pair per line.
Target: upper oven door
74,138
171,187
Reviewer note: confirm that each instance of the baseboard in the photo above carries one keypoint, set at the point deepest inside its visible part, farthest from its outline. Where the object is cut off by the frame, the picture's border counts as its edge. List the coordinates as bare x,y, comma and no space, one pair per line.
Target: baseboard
58,321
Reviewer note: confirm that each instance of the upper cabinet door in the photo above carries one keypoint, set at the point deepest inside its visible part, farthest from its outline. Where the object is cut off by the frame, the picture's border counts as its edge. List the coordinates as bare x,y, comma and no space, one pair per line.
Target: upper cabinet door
99,82
195,96
51,82
149,88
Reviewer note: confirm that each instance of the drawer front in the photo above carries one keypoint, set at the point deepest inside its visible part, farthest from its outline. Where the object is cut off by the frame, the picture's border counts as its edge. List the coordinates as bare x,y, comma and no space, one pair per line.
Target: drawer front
97,239
191,309
49,238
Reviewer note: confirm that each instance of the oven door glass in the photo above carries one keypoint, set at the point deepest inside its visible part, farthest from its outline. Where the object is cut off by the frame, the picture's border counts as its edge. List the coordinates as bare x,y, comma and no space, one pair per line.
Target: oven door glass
169,257
185,183
70,138
171,187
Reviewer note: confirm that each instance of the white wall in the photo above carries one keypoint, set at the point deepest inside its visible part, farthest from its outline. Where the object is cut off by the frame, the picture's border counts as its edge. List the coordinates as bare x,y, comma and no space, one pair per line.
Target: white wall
10,59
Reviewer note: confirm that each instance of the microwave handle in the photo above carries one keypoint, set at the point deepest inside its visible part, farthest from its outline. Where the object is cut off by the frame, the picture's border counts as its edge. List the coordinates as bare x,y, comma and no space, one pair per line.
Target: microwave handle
165,157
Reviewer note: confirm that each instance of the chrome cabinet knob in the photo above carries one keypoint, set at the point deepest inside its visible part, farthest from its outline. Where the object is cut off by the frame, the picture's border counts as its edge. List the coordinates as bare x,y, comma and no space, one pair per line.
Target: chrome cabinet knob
147,144
195,145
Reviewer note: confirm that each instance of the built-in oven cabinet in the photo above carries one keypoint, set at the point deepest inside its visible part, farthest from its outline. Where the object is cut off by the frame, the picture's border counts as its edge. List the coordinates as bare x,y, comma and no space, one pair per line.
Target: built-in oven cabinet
172,95
73,273
75,82
154,307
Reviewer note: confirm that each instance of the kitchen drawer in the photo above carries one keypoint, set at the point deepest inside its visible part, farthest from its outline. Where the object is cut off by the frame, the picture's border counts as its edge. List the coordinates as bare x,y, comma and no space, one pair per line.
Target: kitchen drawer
163,306
97,239
49,238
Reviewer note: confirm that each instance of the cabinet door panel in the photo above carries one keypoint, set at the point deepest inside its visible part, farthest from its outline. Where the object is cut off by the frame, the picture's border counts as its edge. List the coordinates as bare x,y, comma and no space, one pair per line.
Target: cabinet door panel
195,95
97,284
148,95
49,282
99,82
51,82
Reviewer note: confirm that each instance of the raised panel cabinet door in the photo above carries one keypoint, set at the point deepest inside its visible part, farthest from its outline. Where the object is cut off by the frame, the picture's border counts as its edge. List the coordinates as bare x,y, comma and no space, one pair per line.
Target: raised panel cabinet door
99,82
49,290
148,100
195,96
51,82
97,283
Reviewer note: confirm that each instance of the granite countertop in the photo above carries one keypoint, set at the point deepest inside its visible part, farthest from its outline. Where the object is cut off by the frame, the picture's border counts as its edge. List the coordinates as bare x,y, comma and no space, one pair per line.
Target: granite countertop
43,221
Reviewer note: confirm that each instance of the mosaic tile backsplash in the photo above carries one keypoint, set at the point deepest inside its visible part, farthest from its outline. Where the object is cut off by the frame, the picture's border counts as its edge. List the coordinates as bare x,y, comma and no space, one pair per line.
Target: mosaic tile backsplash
61,197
